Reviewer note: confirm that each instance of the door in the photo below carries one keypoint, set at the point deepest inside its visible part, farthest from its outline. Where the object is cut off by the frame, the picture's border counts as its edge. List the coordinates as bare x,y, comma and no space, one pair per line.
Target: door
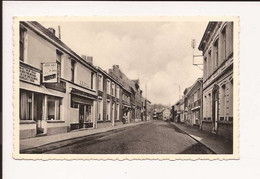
81,115
215,103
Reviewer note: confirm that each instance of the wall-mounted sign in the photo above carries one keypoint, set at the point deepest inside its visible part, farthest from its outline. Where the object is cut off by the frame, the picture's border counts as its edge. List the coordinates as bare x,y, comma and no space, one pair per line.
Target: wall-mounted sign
29,75
50,72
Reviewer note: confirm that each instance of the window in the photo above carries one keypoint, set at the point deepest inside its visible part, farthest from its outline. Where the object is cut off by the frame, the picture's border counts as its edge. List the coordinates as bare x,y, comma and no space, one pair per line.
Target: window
117,91
72,70
117,110
209,64
216,55
108,87
26,105
58,61
92,80
223,101
21,43
224,43
53,108
100,82
205,67
100,109
113,89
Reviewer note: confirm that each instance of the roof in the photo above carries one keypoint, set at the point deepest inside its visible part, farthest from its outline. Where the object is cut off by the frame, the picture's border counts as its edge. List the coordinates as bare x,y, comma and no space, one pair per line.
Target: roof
190,88
38,26
210,27
109,76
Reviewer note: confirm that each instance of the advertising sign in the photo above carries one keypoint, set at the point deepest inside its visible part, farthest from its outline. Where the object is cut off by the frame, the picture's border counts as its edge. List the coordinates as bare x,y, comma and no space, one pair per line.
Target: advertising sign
29,75
50,73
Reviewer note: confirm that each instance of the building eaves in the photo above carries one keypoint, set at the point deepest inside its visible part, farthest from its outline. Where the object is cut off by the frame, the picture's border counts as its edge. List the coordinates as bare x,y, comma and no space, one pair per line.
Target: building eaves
207,34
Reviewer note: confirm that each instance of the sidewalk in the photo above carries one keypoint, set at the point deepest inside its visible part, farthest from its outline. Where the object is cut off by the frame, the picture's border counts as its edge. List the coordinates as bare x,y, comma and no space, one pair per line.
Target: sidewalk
43,140
215,143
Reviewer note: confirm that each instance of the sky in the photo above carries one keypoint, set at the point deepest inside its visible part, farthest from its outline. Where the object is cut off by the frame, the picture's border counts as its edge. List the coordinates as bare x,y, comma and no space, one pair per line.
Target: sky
158,53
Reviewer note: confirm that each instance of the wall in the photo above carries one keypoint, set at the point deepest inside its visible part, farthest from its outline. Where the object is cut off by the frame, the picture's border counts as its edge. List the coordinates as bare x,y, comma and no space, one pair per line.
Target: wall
39,50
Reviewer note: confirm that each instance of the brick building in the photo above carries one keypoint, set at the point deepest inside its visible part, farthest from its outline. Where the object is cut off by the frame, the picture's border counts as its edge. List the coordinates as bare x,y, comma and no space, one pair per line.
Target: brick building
109,100
217,48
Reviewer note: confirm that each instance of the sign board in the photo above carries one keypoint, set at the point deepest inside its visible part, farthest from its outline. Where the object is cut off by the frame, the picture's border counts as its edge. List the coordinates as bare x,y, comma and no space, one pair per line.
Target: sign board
29,75
50,72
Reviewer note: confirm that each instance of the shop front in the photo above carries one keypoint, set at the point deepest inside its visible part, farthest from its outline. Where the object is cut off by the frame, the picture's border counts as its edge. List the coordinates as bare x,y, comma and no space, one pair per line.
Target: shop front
37,113
85,105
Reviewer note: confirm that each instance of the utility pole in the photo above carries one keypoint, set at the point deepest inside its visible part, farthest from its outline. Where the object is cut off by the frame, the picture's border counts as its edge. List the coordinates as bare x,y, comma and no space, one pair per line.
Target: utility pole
193,45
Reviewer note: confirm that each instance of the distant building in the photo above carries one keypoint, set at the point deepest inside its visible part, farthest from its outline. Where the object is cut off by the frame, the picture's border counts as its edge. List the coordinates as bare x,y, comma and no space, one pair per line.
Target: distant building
135,92
217,47
194,104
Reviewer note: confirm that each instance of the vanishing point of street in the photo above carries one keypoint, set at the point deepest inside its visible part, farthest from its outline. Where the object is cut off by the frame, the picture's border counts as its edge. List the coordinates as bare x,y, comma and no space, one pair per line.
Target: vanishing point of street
157,137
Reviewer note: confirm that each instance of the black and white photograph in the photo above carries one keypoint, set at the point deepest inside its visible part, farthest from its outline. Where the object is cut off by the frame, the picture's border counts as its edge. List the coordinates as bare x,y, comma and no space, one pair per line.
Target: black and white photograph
125,86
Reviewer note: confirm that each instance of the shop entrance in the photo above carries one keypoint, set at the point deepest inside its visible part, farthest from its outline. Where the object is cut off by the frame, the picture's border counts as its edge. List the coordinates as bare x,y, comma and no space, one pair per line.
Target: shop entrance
84,115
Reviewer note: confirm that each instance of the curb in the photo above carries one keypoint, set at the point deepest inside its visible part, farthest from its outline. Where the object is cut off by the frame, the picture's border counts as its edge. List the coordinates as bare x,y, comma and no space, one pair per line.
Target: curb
211,150
23,151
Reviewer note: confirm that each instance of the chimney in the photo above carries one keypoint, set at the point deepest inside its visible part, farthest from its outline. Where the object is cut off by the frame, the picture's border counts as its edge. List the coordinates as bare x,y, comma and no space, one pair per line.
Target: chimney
52,30
90,60
115,66
84,57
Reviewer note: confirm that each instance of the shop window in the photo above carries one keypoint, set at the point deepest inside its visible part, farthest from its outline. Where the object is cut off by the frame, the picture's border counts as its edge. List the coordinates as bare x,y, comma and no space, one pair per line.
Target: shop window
22,43
53,108
26,105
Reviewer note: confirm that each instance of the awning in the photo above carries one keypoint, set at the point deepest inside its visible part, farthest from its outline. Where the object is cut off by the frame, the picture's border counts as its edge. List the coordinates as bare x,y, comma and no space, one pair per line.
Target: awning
40,89
82,100
125,105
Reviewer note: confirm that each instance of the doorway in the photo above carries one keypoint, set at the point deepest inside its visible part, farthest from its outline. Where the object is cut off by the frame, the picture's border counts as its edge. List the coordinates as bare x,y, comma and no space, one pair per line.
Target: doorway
81,115
215,108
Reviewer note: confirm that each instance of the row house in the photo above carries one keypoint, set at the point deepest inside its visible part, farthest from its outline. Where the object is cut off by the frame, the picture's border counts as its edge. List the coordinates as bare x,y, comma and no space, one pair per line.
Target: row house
109,100
217,48
193,104
57,88
132,88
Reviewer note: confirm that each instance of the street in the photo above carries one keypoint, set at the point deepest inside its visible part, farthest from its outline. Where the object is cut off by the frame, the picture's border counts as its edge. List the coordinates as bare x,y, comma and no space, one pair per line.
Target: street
155,137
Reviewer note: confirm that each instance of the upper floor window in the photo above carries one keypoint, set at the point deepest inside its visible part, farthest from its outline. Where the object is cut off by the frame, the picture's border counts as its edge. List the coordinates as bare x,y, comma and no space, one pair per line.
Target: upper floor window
216,53
113,89
92,80
224,43
108,87
117,91
205,67
58,61
22,43
100,82
209,63
72,70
